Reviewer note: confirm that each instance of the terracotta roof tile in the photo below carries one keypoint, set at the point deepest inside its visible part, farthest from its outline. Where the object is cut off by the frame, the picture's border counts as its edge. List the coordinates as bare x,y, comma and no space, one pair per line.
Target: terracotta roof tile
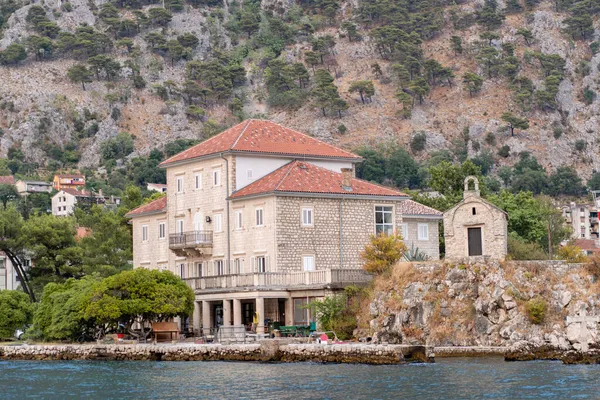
154,206
411,207
71,176
260,136
78,193
304,177
7,180
587,244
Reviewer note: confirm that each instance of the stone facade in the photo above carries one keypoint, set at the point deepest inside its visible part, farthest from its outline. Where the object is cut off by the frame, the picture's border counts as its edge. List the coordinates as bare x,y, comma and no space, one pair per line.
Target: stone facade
410,232
355,219
473,212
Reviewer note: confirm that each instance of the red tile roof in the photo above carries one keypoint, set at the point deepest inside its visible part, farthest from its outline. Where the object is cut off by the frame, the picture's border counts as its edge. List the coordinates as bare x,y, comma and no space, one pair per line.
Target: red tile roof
157,205
260,136
79,193
587,245
411,207
71,176
7,180
304,177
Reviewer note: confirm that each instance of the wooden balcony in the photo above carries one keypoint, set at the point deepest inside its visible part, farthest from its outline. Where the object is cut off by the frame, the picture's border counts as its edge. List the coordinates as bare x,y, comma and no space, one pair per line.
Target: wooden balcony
193,243
334,278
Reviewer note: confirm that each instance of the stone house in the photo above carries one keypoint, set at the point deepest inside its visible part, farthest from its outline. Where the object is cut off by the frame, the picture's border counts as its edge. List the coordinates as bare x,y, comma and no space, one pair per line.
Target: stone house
475,227
420,228
27,187
64,201
262,218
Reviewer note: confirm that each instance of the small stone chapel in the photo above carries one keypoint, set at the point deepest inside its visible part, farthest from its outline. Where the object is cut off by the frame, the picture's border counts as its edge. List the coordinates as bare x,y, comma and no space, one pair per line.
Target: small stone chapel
475,227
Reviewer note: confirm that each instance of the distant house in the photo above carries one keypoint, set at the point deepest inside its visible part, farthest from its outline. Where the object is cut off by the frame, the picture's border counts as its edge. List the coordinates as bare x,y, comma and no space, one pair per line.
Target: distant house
588,246
7,180
68,181
157,187
27,187
63,202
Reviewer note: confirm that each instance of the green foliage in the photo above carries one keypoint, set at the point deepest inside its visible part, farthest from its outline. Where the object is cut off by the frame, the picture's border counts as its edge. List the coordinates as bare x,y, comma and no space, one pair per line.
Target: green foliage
159,16
418,142
16,312
382,253
79,73
536,310
365,89
515,122
448,179
415,254
334,314
456,43
594,182
389,164
325,93
13,54
473,83
118,147
519,249
565,181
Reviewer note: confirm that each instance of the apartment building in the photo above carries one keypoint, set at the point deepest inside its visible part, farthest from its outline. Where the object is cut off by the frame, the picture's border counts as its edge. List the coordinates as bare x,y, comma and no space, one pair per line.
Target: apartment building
262,218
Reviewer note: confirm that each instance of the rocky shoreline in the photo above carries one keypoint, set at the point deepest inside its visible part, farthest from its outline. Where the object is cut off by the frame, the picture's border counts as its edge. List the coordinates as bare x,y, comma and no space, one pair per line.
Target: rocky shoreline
265,351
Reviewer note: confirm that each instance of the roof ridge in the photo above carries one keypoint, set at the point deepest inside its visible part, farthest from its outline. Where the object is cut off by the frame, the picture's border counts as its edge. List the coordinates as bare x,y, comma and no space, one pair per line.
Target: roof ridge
310,137
286,174
241,133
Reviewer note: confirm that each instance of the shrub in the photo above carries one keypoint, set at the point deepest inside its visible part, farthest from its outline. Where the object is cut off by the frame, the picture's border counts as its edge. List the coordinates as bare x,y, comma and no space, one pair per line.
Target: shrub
504,151
580,145
536,310
490,139
557,132
418,142
342,129
382,253
593,266
519,249
572,254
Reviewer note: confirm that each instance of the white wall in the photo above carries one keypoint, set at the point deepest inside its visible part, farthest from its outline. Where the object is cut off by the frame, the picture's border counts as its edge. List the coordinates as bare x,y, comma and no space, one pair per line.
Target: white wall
62,207
262,166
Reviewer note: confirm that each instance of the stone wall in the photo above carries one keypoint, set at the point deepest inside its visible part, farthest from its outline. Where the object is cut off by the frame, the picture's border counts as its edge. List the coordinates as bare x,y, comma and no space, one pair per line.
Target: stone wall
154,253
323,238
431,247
266,350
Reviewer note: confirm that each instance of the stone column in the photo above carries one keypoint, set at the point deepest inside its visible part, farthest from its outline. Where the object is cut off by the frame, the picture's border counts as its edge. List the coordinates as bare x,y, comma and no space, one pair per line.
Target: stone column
197,317
237,312
226,312
289,311
260,309
206,322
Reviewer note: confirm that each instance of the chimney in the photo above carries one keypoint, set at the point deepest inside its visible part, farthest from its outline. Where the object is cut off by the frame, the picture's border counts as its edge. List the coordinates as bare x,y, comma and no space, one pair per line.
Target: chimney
347,179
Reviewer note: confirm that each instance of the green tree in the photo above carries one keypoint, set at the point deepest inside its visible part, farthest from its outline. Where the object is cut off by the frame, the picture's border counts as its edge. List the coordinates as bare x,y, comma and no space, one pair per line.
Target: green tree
594,182
159,16
526,34
42,47
456,43
565,181
16,312
139,296
420,88
514,122
448,179
7,193
11,225
364,88
79,73
373,166
473,82
350,29
382,252
13,54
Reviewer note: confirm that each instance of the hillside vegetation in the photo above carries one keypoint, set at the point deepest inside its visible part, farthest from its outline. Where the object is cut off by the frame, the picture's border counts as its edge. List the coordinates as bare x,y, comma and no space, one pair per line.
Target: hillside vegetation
114,87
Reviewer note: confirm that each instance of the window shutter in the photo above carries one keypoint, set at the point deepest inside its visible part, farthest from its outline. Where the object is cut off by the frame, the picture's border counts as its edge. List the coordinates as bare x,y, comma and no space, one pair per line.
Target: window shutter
253,261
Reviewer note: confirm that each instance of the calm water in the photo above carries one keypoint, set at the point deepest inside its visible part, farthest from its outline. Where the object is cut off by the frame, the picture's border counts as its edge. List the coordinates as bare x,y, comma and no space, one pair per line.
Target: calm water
489,378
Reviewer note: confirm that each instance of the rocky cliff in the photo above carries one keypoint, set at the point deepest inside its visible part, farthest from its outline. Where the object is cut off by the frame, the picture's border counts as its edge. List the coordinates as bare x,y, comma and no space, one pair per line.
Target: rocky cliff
484,304
40,105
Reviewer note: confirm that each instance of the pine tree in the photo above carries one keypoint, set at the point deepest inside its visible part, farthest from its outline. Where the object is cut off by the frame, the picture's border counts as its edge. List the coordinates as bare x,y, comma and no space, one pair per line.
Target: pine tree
514,122
364,88
473,82
78,73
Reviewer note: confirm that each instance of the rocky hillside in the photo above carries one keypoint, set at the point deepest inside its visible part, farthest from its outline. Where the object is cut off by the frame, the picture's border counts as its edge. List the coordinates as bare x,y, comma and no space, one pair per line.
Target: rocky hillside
482,305
533,60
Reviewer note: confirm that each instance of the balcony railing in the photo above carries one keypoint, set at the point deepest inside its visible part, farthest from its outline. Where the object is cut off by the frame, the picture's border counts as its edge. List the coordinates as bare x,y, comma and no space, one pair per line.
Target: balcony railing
190,239
280,279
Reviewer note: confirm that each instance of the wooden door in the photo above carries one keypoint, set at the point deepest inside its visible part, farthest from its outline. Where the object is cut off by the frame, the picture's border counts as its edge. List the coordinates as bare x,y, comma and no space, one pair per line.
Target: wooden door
475,242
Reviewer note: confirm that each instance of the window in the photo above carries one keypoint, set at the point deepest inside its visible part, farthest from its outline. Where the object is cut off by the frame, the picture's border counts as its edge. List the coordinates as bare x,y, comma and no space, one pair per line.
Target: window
144,233
261,264
307,216
198,181
474,211
182,271
383,220
180,184
216,177
220,267
259,217
179,226
309,263
218,222
423,232
404,231
238,266
161,230
239,219
199,271
249,174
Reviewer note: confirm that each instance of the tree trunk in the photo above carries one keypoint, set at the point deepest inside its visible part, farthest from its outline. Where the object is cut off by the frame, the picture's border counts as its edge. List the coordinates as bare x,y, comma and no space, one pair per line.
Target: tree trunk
83,85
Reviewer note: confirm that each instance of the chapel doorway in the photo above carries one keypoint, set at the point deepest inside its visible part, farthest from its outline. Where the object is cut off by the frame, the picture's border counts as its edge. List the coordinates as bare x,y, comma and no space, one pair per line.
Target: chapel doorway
475,242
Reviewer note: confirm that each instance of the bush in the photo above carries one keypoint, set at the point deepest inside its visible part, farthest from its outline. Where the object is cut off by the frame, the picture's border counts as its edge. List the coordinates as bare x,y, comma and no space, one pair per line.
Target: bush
15,312
519,249
536,310
593,266
382,253
572,254
504,151
490,139
418,142
580,145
